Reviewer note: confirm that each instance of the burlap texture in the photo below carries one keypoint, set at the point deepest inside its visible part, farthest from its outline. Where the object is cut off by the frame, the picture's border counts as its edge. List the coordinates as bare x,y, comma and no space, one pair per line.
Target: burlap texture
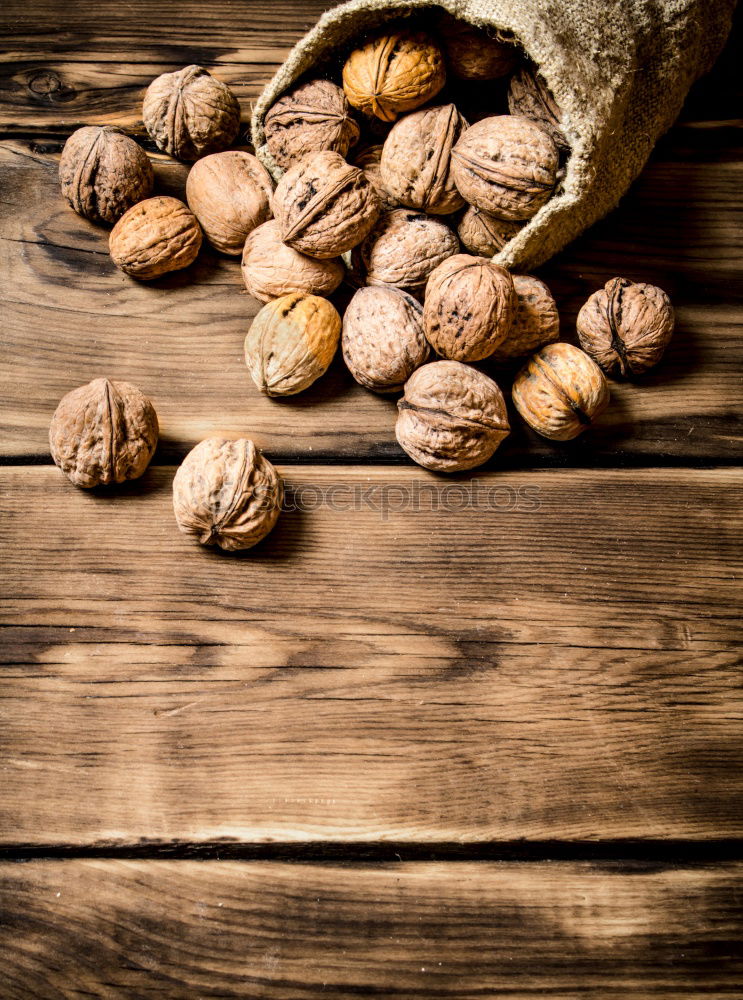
619,69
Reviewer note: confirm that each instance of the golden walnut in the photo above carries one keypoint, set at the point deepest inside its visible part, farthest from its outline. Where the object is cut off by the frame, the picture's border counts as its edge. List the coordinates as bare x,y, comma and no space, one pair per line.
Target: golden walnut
451,417
227,494
230,194
626,326
270,268
369,159
383,339
530,97
103,172
103,432
535,320
415,162
311,117
506,165
485,234
475,53
394,73
155,236
560,391
190,113
324,206
291,343
470,302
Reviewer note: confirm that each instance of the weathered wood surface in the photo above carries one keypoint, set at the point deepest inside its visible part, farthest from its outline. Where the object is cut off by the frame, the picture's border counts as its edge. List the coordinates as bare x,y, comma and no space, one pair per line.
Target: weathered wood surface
552,660
131,929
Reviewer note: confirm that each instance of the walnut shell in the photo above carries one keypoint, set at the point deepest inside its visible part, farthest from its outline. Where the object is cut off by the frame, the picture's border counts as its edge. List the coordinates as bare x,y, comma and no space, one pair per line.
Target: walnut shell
190,113
506,165
103,172
226,493
103,432
291,343
155,236
470,302
476,53
270,268
230,194
416,159
368,159
486,234
394,73
560,391
626,326
452,417
536,321
383,339
402,250
324,206
310,117
530,97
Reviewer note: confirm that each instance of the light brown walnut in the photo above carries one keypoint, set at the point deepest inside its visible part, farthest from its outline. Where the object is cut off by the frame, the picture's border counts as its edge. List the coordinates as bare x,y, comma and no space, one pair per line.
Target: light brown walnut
486,234
103,432
476,53
530,97
310,117
271,269
368,159
154,237
535,323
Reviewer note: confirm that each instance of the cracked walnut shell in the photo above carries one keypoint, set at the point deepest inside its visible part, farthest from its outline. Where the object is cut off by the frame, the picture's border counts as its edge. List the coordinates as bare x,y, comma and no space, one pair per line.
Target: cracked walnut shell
103,173
271,269
227,493
190,113
309,118
103,432
626,326
535,323
154,237
451,417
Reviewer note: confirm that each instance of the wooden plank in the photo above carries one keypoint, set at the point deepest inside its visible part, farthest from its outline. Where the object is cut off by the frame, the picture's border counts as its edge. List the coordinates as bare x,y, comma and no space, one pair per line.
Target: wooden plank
136,929
548,655
70,315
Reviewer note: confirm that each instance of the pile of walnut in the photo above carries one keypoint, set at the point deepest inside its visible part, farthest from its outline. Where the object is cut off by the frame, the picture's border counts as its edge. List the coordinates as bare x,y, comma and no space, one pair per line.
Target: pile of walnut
390,200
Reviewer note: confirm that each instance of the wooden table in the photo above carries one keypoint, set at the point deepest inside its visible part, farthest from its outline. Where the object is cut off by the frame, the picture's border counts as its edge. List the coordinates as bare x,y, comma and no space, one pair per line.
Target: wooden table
481,743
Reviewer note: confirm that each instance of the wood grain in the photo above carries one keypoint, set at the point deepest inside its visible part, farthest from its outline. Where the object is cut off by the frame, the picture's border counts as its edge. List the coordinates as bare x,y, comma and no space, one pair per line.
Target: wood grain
552,660
224,929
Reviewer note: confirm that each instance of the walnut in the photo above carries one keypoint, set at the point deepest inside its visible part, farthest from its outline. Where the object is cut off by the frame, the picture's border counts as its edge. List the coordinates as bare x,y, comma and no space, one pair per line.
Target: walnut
270,268
394,73
415,160
383,339
452,417
535,320
470,302
155,236
560,391
103,432
403,248
506,165
476,53
103,173
230,194
190,113
368,159
626,327
310,117
291,343
530,97
485,234
324,206
227,494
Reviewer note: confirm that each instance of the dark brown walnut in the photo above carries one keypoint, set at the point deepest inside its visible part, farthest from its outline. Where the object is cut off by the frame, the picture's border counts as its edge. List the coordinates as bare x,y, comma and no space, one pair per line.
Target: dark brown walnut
393,73
190,113
530,97
402,250
626,326
536,321
383,339
451,417
560,391
506,165
486,234
230,194
476,53
227,494
155,236
271,269
103,432
310,117
324,206
103,172
470,302
416,157
368,159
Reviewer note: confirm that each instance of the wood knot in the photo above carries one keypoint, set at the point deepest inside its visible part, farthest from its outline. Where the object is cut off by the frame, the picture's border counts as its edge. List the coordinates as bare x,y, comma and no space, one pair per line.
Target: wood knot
48,85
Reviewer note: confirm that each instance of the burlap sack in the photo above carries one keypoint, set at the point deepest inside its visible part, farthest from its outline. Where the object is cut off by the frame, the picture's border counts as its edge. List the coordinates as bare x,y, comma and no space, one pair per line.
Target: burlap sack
619,69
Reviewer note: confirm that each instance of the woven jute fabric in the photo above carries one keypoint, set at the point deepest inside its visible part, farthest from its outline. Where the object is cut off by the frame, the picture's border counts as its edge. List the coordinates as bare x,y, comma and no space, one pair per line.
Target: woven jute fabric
619,69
